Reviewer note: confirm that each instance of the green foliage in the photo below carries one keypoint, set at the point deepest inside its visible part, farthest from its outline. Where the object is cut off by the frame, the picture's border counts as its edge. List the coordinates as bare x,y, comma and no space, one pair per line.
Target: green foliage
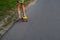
5,6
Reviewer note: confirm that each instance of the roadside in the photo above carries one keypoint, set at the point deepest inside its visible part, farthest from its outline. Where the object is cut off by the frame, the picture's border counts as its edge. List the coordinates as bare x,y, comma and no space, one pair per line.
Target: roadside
8,17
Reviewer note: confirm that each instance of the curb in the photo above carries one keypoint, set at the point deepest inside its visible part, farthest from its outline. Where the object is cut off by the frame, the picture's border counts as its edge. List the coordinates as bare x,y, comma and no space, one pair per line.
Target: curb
13,23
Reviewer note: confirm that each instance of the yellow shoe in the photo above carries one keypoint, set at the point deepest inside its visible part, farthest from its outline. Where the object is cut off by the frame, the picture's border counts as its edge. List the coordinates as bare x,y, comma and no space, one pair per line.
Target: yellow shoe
24,18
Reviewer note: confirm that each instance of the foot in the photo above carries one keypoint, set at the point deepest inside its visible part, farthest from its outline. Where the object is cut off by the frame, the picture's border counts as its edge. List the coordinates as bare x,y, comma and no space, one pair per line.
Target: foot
24,17
19,17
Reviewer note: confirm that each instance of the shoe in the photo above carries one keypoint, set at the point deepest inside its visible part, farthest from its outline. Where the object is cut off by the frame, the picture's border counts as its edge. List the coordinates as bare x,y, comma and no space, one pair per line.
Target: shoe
24,17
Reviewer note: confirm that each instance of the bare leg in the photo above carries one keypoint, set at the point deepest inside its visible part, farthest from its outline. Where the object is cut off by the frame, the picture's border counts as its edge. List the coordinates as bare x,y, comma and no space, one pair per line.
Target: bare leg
23,9
18,10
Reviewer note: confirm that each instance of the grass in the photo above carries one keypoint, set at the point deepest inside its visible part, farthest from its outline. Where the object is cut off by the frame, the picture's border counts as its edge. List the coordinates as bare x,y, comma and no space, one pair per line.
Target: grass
5,8
8,13
8,5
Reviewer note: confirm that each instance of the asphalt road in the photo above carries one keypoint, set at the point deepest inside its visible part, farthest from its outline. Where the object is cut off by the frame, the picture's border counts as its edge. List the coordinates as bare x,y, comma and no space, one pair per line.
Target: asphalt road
43,24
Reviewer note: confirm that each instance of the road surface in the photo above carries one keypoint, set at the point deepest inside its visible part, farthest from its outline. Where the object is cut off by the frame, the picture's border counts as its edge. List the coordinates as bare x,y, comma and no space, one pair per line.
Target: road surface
43,24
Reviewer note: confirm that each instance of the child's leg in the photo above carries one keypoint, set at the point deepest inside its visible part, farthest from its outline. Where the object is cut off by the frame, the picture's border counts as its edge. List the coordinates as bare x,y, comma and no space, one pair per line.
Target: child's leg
18,9
23,9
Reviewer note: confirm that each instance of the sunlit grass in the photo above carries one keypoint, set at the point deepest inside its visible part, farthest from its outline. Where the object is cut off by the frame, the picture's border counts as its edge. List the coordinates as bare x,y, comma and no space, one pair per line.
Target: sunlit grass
5,8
